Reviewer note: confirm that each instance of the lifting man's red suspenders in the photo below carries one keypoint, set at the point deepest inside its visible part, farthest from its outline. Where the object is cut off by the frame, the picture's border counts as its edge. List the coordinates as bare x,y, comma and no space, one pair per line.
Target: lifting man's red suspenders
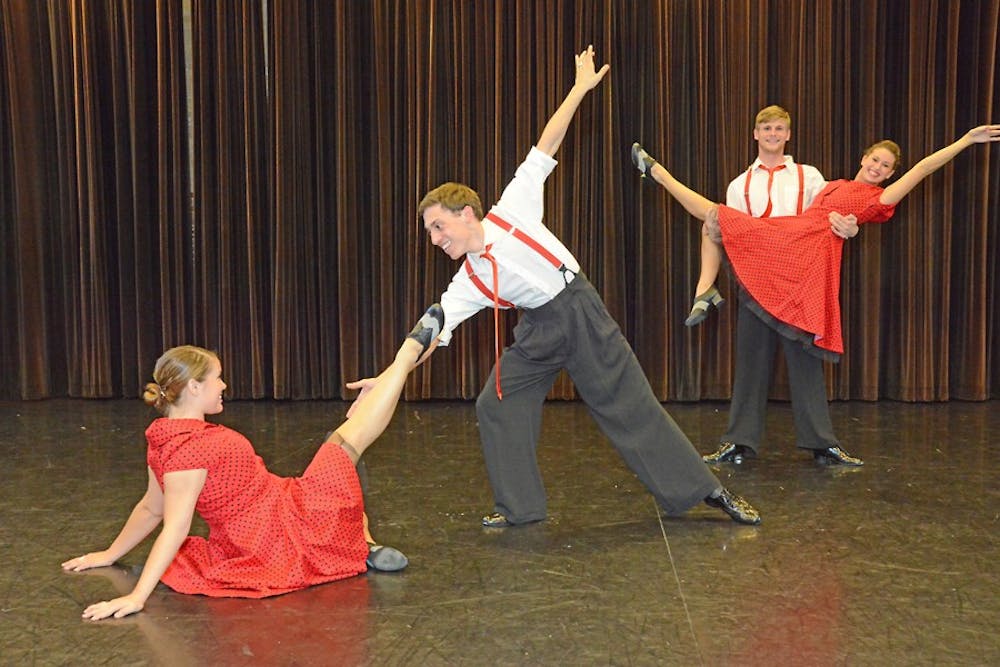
494,295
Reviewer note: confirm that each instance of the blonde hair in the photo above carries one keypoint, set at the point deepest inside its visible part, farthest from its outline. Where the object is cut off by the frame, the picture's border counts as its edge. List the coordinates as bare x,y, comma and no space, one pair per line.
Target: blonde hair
771,113
888,145
452,196
173,370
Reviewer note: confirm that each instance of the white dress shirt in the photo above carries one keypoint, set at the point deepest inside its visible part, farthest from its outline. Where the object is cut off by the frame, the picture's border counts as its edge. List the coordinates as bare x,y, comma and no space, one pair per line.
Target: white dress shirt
526,278
784,189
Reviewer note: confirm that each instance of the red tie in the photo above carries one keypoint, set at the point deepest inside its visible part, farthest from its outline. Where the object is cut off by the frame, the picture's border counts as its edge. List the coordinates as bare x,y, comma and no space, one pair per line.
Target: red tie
770,180
496,313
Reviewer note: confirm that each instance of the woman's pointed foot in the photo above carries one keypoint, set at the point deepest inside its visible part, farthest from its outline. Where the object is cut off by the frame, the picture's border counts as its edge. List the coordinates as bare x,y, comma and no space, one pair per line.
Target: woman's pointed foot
428,327
699,311
642,160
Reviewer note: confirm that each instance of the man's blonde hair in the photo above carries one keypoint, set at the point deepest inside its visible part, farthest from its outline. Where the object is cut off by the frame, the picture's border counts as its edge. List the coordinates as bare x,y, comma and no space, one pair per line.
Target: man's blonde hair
772,113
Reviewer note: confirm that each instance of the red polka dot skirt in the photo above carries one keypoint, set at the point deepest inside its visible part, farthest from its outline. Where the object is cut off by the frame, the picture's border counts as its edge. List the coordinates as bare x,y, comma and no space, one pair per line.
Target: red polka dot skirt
267,534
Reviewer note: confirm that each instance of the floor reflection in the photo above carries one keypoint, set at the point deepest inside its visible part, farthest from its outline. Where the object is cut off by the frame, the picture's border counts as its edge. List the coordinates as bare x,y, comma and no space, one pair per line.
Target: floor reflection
892,563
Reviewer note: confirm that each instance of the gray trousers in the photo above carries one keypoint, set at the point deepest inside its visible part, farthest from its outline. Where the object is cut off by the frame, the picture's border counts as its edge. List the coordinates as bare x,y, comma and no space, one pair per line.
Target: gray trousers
574,331
756,343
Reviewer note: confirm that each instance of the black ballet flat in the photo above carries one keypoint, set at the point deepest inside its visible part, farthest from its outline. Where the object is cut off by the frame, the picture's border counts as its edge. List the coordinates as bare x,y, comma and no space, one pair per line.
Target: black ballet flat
385,559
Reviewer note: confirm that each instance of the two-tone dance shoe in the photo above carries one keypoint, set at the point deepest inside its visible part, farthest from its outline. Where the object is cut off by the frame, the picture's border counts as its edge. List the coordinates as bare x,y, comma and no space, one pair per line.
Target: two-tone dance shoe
642,160
835,456
738,509
729,452
428,327
496,520
699,311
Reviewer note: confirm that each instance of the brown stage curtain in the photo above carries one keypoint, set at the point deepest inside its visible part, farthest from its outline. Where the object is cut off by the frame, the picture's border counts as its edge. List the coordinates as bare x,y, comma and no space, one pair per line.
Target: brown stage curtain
317,127
95,207
231,302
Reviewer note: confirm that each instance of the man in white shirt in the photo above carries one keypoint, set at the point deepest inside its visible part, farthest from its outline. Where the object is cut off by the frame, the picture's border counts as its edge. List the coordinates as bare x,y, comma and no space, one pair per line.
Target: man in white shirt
774,185
512,260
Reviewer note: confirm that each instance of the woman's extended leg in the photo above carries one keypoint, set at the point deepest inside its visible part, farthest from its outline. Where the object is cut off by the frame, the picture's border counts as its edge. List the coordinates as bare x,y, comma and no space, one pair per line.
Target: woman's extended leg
372,414
711,255
694,203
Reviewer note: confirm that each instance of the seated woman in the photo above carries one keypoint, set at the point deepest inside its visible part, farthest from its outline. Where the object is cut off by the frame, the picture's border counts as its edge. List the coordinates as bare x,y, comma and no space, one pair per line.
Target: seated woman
267,534
790,265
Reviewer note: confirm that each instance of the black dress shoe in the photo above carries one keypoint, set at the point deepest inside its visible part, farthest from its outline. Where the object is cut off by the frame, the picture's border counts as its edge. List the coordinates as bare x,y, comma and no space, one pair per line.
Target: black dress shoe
736,507
835,456
729,452
496,520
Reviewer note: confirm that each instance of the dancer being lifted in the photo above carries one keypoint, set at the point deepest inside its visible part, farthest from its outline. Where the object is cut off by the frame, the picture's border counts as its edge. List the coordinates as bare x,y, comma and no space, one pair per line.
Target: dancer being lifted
773,185
790,266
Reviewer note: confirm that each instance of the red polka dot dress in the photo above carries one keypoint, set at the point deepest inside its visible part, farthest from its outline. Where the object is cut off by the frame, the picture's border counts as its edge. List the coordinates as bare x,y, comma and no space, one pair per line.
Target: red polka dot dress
790,265
267,534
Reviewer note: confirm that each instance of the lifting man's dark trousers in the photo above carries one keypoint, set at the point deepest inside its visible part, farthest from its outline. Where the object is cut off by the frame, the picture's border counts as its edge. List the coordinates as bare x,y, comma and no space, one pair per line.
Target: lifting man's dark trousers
756,343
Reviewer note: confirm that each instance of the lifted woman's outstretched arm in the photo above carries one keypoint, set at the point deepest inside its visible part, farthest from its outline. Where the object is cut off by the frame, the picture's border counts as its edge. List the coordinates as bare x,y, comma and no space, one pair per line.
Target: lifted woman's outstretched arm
894,193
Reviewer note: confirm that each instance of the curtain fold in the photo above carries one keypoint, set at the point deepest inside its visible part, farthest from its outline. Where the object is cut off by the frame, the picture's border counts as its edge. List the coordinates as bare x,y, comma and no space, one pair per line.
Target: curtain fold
275,221
231,255
91,182
31,286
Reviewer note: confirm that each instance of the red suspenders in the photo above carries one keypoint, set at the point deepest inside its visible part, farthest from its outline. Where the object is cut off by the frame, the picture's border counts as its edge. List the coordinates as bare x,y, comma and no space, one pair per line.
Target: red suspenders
524,238
802,186
482,286
494,295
